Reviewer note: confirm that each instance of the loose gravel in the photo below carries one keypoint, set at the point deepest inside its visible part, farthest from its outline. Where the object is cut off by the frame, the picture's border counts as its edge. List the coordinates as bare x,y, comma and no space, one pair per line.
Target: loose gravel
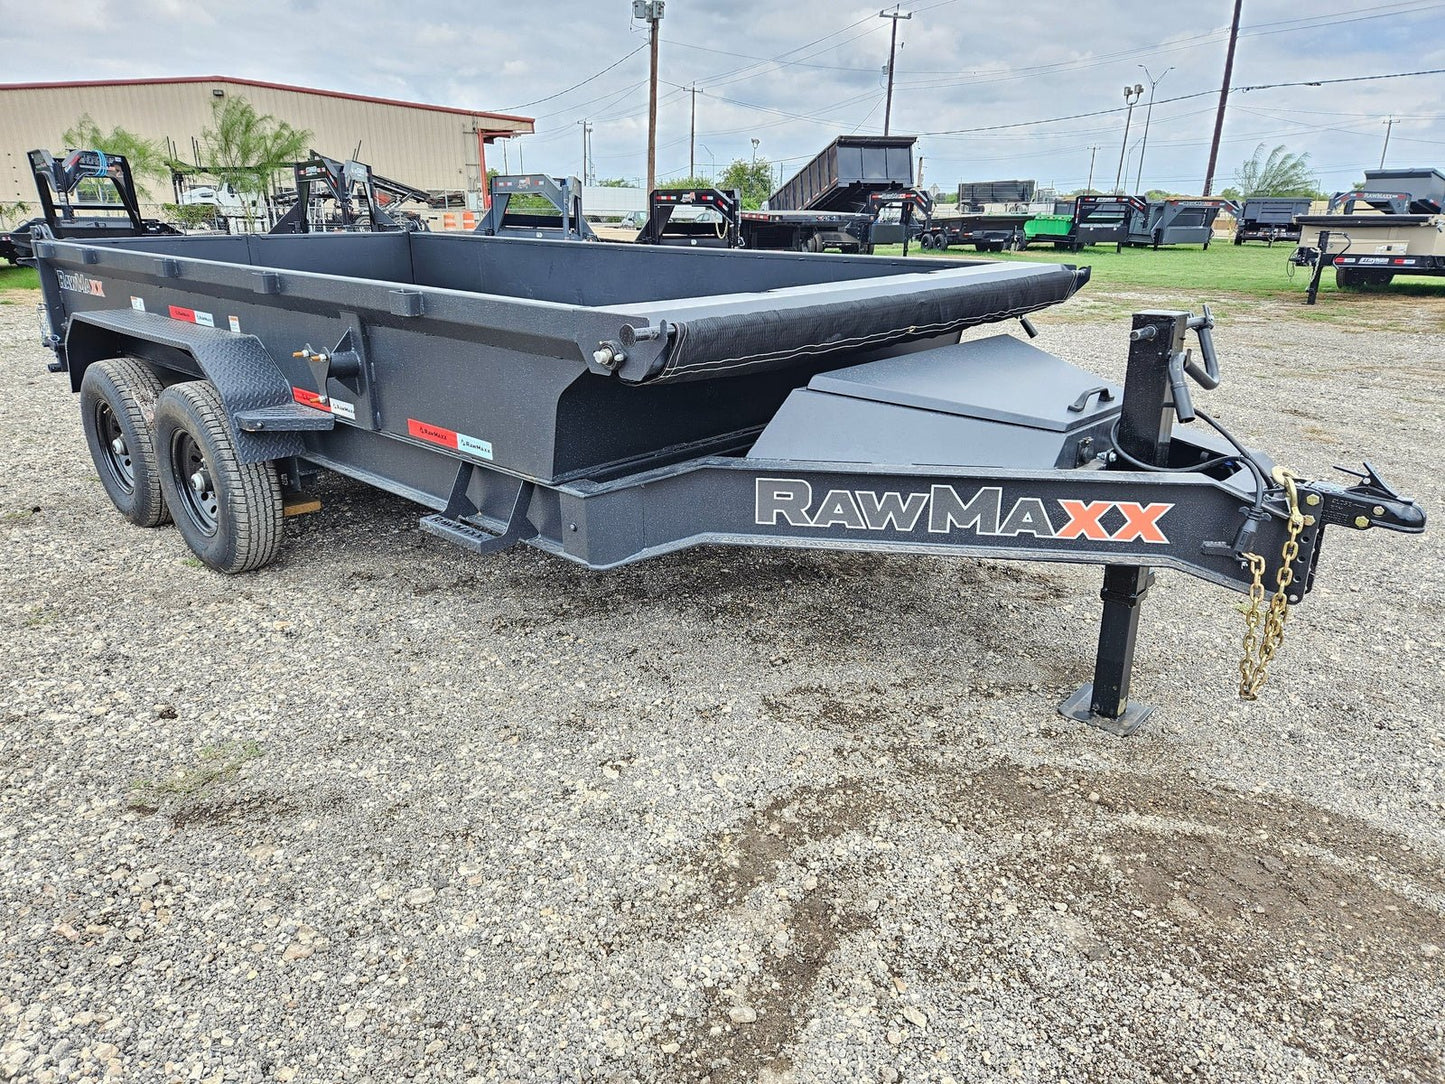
386,812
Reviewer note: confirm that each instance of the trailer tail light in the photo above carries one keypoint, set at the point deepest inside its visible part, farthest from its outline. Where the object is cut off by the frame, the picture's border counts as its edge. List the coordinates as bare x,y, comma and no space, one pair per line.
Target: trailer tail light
1339,261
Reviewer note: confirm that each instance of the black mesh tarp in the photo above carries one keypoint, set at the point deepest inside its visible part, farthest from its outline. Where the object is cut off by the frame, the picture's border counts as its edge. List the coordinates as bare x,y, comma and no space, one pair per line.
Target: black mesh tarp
856,316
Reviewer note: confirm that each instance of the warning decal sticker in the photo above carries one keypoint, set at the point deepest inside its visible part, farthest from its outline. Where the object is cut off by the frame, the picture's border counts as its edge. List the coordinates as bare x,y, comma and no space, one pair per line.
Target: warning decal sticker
448,438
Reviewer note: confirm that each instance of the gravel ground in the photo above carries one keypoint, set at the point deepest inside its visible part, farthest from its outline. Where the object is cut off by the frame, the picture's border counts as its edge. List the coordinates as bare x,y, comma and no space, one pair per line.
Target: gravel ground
385,812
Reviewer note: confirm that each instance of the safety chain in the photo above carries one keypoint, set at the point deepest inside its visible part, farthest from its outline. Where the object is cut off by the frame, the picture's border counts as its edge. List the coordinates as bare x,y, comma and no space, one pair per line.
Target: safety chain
1259,650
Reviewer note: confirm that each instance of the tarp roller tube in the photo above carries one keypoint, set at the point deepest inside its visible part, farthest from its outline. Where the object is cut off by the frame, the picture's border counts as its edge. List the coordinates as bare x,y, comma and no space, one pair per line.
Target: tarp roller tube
851,317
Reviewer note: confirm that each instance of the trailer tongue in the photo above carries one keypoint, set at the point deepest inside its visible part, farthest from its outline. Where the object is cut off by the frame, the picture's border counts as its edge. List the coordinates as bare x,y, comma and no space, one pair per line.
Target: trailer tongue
608,403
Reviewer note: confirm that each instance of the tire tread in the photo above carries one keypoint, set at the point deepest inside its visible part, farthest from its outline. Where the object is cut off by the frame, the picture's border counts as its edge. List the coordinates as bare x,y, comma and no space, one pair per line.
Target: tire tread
254,505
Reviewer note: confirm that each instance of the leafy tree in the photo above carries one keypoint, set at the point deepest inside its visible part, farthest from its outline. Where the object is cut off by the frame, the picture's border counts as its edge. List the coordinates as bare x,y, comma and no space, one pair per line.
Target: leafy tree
147,157
245,149
753,179
615,182
1277,174
13,212
688,182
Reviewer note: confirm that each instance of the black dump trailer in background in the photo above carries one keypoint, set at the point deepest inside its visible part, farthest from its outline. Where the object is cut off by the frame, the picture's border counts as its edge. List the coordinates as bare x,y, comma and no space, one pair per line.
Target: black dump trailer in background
977,195
846,172
711,218
1269,218
608,402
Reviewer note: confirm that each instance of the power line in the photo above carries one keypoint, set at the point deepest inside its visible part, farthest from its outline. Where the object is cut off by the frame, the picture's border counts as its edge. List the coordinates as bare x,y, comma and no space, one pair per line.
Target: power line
584,82
1182,98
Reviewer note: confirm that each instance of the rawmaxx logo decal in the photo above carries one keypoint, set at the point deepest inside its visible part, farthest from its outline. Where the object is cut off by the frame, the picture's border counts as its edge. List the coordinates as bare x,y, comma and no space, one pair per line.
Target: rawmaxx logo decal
77,283
943,509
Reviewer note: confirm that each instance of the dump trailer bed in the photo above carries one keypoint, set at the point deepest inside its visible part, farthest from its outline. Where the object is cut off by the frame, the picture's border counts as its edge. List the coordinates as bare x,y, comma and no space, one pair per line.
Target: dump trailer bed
846,172
1175,222
607,403
1269,219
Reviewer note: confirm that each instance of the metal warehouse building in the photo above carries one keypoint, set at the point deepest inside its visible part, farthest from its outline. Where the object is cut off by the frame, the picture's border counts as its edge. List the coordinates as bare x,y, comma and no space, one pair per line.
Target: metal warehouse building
426,146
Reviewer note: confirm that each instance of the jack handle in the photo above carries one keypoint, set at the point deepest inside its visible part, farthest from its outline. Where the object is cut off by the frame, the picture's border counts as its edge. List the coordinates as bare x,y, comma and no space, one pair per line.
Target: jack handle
1203,326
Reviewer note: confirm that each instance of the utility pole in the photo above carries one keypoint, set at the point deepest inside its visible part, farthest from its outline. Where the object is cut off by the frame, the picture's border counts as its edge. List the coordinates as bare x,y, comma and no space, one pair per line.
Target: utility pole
692,138
1090,186
1389,123
1223,98
1148,115
651,11
895,15
586,147
1131,96
919,182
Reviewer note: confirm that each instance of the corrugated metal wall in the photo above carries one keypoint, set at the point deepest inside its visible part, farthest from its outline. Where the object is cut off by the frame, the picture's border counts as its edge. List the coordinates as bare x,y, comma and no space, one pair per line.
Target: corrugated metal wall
421,147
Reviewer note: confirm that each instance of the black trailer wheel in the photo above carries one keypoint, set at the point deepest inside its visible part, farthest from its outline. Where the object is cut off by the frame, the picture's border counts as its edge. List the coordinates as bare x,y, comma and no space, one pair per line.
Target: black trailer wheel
926,240
117,409
228,512
1238,240
941,242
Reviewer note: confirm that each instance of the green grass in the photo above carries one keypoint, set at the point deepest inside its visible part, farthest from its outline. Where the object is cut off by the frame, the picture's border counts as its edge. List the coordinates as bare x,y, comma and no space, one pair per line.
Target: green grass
19,278
1253,269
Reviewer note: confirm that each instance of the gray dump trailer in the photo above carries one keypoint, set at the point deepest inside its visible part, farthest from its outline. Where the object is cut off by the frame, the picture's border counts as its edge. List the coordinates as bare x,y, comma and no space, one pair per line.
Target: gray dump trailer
608,403
1175,222
1269,218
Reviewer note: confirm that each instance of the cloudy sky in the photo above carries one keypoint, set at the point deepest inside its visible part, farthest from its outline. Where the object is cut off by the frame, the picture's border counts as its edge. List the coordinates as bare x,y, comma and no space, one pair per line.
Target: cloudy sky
794,74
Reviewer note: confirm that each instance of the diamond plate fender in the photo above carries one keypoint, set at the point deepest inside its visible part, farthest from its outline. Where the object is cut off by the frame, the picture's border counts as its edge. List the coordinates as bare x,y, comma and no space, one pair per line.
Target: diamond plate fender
242,370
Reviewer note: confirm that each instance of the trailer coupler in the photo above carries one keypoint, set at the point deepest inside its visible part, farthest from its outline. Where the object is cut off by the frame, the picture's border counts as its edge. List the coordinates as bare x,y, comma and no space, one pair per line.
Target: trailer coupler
1371,503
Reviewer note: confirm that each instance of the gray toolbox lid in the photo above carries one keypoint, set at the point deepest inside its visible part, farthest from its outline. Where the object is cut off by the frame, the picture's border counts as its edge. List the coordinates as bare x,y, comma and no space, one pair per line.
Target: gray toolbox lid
1000,379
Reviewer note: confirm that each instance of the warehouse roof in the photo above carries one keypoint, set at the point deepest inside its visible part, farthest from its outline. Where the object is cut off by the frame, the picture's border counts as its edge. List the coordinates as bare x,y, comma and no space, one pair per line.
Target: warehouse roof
270,86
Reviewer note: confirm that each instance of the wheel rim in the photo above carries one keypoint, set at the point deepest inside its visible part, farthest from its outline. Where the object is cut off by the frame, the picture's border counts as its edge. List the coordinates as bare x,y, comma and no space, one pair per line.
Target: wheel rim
194,482
116,451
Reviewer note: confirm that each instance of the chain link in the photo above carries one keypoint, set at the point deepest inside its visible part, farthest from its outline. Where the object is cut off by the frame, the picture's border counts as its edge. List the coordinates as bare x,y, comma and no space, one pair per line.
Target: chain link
1260,646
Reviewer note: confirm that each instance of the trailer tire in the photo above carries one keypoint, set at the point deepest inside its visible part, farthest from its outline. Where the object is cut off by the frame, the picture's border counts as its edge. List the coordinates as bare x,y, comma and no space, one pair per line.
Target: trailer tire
926,240
117,409
229,512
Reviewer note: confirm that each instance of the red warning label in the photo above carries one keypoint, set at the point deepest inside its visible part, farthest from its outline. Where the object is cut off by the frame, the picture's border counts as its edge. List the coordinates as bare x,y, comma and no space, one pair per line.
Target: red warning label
449,438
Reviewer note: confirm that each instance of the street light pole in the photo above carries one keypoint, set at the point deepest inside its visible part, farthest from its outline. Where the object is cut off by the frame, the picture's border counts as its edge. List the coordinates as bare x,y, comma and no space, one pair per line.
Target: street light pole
895,15
1148,114
1131,96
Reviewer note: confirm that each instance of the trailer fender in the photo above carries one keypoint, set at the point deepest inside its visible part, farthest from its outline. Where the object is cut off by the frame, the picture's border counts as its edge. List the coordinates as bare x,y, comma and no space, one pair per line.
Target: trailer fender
264,417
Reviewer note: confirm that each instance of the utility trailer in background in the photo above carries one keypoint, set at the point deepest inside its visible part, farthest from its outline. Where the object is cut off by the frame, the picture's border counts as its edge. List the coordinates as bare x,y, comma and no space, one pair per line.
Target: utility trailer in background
336,195
710,218
842,176
1094,220
87,193
1393,226
1177,221
608,403
977,196
1269,218
696,217
985,232
560,219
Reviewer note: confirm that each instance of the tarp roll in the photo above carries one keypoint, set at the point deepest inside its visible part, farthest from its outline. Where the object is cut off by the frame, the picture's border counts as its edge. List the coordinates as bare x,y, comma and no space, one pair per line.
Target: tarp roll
854,316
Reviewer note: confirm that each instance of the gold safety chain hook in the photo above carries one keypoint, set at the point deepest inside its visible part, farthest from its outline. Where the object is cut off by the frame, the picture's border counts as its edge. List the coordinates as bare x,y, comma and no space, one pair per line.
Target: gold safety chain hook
1260,644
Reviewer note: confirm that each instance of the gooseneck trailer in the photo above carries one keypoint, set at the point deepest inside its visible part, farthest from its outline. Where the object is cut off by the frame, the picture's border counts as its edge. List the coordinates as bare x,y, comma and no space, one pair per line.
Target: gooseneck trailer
608,403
